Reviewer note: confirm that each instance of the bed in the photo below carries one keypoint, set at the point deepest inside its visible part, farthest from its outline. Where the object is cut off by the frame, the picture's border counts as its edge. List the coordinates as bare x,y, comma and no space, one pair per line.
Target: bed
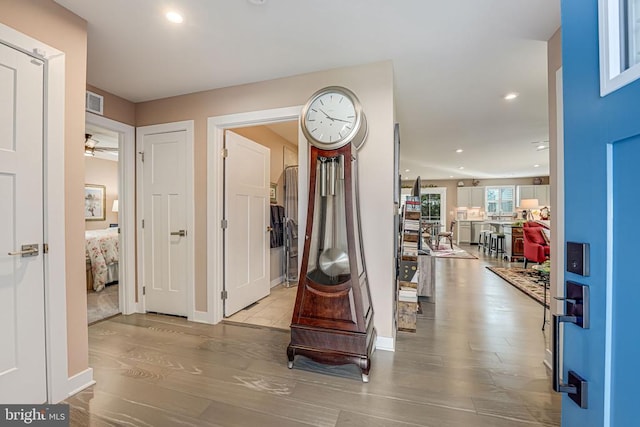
102,253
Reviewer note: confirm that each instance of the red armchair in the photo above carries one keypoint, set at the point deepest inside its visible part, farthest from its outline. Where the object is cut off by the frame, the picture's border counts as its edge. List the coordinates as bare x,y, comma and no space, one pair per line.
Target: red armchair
536,247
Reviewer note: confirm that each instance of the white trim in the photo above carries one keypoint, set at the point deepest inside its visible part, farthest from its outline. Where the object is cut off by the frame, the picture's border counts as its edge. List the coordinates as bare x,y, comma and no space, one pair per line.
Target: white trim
558,218
612,77
54,214
80,381
385,343
126,215
275,282
608,328
215,188
186,126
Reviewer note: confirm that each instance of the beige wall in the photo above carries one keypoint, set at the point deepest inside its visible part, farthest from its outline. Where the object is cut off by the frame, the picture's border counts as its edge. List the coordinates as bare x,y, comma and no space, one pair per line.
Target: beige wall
452,188
50,23
103,172
373,84
116,108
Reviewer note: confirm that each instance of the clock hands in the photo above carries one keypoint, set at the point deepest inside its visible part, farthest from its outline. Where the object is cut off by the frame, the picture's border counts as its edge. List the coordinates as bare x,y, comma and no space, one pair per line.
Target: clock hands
333,119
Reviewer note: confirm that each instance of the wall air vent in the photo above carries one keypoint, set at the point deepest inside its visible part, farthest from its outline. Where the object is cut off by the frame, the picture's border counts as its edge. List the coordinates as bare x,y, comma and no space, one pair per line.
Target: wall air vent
94,103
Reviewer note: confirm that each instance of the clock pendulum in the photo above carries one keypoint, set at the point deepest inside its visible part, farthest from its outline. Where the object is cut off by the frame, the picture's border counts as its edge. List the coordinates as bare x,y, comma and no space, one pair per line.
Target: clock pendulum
333,316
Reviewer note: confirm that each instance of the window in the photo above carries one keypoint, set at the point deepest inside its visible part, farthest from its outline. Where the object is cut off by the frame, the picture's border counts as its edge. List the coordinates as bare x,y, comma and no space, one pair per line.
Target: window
431,206
433,202
619,34
500,200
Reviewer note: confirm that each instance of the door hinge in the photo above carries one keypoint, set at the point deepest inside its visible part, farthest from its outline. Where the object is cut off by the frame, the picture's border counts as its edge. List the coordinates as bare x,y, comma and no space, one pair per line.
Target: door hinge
224,153
144,290
143,223
141,155
224,224
224,295
45,248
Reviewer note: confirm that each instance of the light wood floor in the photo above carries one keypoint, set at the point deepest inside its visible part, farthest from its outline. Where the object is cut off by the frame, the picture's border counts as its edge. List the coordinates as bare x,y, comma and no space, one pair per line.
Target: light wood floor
475,360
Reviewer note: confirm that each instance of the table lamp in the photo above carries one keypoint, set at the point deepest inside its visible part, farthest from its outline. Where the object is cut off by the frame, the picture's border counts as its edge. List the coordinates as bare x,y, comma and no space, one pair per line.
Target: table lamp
529,205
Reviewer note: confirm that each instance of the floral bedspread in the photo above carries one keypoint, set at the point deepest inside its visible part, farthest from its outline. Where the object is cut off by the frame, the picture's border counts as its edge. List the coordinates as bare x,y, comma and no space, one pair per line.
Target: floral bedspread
102,250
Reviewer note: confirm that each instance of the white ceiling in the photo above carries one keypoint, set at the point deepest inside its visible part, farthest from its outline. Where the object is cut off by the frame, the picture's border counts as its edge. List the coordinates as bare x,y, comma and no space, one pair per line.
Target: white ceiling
453,63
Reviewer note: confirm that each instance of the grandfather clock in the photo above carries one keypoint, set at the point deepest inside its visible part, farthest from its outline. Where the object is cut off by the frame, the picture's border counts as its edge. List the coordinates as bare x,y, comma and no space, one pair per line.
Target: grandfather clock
333,316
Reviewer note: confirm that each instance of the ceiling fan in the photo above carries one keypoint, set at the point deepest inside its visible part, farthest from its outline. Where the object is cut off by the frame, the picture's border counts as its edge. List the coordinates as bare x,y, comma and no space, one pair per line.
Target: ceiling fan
91,146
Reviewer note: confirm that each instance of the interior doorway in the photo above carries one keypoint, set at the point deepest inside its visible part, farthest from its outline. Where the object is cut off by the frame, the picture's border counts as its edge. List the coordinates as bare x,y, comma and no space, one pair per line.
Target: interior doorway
102,237
110,163
274,310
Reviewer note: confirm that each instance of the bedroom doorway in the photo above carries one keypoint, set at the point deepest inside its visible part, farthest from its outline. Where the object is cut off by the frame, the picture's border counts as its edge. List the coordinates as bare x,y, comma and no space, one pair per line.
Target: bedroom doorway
109,235
102,238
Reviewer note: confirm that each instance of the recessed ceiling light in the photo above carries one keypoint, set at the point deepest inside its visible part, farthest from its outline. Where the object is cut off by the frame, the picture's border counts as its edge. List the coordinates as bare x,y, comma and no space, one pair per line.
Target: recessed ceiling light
461,167
174,17
511,96
450,176
407,170
541,147
459,150
536,166
258,2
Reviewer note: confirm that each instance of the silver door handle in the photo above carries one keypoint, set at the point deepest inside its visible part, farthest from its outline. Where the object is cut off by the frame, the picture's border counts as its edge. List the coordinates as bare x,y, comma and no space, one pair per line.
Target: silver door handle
576,387
27,251
180,233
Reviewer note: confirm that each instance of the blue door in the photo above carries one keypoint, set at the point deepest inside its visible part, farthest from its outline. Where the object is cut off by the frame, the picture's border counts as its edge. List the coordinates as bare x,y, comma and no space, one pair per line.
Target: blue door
602,201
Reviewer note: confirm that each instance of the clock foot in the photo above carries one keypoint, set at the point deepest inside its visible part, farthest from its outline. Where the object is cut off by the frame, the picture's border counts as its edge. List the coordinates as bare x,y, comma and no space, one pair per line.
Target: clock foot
290,365
365,378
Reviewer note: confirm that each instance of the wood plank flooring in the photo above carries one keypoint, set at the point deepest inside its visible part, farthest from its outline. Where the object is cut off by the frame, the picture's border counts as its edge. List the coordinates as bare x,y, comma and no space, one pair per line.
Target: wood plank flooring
475,360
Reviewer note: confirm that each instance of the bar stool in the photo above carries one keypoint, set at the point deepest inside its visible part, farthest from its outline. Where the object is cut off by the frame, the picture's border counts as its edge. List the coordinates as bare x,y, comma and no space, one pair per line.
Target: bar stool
496,244
484,240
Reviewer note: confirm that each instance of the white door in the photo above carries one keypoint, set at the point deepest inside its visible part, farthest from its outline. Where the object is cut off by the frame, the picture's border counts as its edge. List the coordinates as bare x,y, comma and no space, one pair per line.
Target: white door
22,352
247,275
166,257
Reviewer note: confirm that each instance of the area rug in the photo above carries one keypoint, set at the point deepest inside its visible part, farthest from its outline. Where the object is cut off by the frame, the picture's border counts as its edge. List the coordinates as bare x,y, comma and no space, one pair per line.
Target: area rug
445,251
527,280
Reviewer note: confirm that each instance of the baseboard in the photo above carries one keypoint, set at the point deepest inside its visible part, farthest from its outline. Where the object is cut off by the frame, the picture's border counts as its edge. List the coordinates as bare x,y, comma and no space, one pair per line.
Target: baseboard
277,281
202,317
385,343
80,381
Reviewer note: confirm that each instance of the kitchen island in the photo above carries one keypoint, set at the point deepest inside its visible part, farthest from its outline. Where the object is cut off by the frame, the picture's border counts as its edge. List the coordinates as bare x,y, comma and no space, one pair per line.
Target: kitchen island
513,239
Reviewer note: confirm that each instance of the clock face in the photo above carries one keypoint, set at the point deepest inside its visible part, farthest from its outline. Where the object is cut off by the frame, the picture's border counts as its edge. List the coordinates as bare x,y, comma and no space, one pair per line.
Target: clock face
331,118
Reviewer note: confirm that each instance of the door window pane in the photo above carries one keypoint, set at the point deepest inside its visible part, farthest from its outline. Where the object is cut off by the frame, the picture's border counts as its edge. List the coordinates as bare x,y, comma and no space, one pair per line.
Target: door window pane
431,205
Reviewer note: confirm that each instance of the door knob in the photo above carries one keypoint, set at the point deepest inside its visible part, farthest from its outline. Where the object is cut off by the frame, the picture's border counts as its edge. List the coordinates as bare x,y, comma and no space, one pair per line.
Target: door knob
269,229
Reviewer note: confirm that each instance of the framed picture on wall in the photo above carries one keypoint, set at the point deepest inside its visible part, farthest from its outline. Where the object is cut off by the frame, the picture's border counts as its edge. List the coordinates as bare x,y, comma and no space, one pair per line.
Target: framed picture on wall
94,202
272,193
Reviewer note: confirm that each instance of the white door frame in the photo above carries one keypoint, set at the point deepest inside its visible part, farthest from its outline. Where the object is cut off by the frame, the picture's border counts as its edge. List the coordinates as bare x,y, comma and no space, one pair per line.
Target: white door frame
59,385
215,190
556,158
126,216
141,132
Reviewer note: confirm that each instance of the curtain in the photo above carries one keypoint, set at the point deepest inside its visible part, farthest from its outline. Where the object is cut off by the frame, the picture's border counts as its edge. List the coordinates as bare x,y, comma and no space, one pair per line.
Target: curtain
291,193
